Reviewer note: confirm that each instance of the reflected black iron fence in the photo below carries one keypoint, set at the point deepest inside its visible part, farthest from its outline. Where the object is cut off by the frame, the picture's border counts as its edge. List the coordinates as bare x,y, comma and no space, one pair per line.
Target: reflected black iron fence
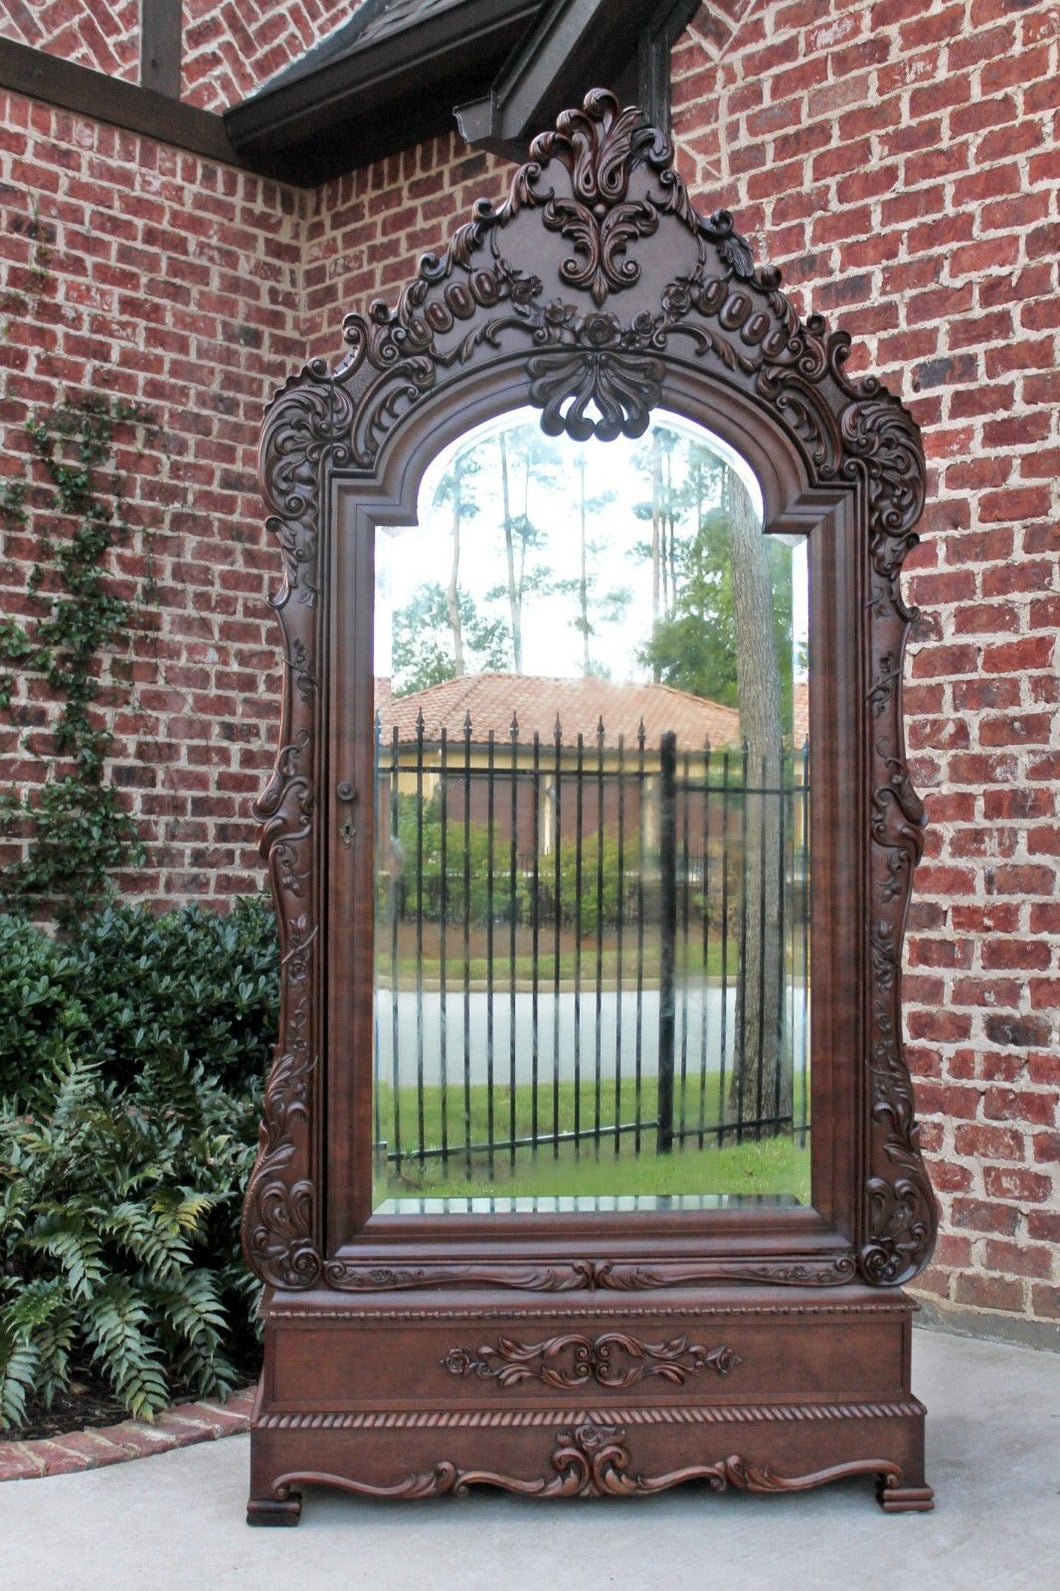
589,943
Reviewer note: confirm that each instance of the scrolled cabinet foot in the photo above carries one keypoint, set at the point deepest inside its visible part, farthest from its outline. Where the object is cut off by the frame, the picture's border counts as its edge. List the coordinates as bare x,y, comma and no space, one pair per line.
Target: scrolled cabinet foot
899,1499
275,1510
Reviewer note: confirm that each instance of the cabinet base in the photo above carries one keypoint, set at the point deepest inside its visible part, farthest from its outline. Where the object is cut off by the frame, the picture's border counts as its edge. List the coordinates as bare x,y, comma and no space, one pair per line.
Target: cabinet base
760,1393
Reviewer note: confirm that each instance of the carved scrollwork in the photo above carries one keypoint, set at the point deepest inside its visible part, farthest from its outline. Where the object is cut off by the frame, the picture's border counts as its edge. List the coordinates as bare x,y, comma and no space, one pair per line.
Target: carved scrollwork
601,147
597,373
304,427
881,438
901,1205
353,1277
595,346
278,1215
572,1360
593,1460
578,1275
624,1277
303,435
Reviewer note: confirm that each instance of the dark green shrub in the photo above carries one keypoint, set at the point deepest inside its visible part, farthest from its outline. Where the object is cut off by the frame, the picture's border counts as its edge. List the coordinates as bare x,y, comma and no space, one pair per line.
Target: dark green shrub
125,987
133,1054
593,893
488,889
119,1236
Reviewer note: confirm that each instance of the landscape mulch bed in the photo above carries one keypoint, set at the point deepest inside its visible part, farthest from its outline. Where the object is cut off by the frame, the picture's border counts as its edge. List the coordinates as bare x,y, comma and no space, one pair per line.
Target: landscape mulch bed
87,1404
87,1427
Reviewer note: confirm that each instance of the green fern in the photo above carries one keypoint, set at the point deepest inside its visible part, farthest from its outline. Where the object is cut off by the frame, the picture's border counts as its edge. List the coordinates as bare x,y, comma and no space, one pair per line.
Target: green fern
124,1154
113,1325
36,1330
77,1251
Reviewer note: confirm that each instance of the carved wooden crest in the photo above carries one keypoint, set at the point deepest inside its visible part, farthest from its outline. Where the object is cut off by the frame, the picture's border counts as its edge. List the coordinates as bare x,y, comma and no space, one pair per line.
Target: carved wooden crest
591,291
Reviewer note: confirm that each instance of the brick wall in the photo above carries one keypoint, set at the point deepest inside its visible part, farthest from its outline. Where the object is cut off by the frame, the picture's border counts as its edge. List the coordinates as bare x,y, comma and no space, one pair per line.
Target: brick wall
130,268
102,34
902,159
367,230
231,48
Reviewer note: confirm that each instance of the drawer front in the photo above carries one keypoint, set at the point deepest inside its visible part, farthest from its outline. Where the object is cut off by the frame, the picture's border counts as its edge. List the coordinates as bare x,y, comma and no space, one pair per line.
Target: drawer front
505,1360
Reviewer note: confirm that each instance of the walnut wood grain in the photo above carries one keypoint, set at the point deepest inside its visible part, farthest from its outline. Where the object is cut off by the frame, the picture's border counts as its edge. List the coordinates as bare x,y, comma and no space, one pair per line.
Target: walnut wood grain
597,293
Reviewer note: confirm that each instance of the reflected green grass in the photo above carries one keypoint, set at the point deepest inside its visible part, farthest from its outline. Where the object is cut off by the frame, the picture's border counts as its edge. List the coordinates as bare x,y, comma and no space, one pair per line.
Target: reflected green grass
770,1167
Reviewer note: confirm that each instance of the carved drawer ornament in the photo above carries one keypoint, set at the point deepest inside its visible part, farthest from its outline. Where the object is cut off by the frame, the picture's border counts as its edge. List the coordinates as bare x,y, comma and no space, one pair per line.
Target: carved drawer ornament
571,1360
594,350
593,1460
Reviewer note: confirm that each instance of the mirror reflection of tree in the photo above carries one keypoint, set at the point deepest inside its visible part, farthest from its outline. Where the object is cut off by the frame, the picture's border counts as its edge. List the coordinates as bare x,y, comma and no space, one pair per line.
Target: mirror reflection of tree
725,632
528,458
759,1071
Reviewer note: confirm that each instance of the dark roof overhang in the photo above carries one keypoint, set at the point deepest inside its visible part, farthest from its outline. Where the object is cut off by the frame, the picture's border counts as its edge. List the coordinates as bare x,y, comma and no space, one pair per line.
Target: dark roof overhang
394,74
368,93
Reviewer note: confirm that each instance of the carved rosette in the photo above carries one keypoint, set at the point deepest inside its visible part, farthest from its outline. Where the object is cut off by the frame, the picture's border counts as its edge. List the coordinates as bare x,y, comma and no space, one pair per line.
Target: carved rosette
603,183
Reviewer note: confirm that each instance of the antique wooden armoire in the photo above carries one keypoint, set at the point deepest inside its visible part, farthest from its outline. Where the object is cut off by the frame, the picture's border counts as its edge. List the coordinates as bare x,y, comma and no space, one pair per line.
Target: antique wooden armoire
502,1242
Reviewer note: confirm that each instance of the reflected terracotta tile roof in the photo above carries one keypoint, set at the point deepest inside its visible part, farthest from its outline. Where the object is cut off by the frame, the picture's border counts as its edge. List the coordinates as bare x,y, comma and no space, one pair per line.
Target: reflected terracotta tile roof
581,705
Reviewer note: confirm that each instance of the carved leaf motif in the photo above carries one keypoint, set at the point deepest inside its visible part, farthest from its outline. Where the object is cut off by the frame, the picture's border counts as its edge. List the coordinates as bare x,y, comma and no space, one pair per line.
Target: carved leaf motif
599,262
593,1460
569,385
625,1277
349,1276
278,1213
882,436
572,1360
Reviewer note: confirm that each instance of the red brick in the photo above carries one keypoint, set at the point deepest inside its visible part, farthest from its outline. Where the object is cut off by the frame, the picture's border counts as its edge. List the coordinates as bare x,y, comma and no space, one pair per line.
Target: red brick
1044,1225
1033,651
993,1143
1047,1148
1045,1302
977,1215
1021,878
137,1438
1008,1182
1032,954
989,1292
1017,1259
93,1446
19,1462
1045,994
1009,1104
59,1460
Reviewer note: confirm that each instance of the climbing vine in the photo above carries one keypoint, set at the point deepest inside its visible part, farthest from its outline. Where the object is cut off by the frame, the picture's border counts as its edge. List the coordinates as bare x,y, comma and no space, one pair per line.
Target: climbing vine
77,829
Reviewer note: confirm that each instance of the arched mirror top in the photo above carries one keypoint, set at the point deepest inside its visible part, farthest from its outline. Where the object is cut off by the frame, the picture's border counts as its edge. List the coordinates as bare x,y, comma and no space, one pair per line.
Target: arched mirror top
598,293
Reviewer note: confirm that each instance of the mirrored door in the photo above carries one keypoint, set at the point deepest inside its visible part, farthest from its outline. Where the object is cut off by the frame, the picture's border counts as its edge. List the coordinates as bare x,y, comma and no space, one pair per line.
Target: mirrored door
592,861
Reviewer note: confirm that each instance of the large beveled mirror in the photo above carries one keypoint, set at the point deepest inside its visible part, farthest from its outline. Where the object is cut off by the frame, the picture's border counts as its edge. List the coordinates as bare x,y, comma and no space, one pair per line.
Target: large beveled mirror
592,831
589,1162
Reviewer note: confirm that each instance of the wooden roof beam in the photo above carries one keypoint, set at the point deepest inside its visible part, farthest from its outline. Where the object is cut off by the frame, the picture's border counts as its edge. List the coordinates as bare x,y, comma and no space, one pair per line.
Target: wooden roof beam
573,46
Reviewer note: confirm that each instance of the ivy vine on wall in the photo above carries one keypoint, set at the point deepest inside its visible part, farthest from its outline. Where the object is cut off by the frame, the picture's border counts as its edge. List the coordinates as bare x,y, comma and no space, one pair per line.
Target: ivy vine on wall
76,828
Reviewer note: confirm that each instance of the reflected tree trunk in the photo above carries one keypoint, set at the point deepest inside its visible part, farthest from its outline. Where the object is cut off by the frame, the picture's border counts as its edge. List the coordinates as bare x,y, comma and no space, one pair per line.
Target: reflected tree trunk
514,592
452,596
657,532
760,1080
583,583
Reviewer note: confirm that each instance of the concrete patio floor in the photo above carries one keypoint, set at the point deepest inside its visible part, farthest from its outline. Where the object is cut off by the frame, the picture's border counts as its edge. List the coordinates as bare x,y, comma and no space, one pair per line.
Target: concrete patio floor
174,1522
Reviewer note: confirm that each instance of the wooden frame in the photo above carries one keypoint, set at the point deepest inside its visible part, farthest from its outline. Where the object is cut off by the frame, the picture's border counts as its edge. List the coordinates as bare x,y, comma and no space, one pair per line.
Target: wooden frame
596,293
